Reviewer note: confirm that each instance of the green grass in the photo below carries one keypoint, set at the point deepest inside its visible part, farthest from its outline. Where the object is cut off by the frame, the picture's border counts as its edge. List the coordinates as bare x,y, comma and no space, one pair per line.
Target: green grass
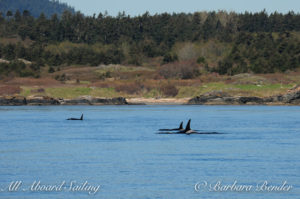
233,89
215,86
105,92
119,68
85,82
68,92
74,82
153,93
75,92
26,91
188,91
193,91
72,92
251,87
183,91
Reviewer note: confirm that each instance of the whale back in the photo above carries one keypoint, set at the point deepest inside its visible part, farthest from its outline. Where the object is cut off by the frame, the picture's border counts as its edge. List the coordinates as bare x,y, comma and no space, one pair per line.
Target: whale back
81,118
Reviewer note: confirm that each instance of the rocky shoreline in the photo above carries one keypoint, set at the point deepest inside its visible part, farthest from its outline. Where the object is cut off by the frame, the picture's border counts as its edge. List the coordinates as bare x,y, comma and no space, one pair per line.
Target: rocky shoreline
38,101
212,98
221,98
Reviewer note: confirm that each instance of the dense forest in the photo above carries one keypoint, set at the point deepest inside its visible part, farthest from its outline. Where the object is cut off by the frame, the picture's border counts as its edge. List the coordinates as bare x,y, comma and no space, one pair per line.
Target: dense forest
35,7
248,42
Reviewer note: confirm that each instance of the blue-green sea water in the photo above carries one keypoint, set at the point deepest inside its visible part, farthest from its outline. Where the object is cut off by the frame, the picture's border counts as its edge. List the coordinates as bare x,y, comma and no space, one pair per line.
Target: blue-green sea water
118,150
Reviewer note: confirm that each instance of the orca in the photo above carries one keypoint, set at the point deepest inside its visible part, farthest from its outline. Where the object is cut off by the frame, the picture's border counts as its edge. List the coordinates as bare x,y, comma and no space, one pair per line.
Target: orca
81,118
180,128
189,131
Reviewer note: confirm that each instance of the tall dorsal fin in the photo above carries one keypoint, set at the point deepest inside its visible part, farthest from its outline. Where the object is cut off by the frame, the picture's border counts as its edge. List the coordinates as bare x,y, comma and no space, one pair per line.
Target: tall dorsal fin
81,117
188,126
181,125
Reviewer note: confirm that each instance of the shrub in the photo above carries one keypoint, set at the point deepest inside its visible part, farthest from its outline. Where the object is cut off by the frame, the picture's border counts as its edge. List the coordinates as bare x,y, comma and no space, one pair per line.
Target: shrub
61,78
169,57
201,60
188,52
129,88
39,90
27,73
182,70
105,75
51,70
169,90
9,90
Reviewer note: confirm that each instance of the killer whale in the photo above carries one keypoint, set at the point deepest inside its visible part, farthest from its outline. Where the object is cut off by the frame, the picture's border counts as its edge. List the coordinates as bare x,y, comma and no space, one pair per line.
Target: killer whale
189,131
180,128
81,118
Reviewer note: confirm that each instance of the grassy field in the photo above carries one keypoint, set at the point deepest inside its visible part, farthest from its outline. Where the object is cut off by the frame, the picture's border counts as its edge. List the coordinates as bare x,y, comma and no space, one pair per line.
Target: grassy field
136,82
235,90
183,91
71,92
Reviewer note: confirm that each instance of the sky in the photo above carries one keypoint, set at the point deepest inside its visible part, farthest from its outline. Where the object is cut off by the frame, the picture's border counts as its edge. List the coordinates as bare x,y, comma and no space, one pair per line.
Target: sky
138,7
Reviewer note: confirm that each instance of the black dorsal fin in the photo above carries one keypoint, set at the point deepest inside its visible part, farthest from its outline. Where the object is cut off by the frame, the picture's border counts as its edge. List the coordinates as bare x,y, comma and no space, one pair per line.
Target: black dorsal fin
81,117
181,125
188,126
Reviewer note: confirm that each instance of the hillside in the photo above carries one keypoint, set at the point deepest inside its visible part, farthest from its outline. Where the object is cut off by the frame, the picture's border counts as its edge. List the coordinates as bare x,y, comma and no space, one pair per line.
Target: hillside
164,55
35,7
185,45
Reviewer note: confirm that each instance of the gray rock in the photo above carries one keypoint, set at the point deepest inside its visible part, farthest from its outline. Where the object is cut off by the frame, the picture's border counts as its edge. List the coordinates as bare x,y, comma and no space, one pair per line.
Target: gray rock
42,101
292,97
223,98
96,101
13,101
76,102
245,100
112,101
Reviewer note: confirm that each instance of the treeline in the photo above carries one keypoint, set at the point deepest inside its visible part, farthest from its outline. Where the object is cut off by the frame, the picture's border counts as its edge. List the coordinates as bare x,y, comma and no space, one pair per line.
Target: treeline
13,54
76,55
261,43
261,53
35,7
160,28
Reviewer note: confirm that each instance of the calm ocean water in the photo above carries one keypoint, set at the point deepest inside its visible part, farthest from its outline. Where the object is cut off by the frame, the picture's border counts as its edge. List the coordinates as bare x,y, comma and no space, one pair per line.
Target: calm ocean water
117,148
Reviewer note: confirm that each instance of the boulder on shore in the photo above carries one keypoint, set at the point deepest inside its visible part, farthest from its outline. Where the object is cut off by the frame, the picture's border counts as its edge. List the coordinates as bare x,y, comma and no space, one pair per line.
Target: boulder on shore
213,98
44,100
110,101
88,100
290,98
13,101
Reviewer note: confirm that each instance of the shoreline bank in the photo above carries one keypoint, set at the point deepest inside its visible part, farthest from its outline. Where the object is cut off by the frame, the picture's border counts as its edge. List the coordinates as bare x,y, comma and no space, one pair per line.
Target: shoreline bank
213,98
